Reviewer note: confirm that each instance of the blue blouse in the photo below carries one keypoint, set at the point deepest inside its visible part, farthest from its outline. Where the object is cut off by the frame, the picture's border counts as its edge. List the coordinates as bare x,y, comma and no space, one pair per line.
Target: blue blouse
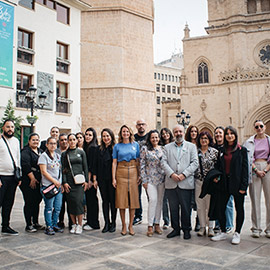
126,151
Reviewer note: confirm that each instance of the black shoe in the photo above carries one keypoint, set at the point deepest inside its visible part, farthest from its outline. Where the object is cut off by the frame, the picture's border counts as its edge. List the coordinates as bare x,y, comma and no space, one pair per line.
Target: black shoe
61,224
30,229
112,227
39,227
197,225
173,234
9,231
217,229
106,228
187,235
58,229
137,221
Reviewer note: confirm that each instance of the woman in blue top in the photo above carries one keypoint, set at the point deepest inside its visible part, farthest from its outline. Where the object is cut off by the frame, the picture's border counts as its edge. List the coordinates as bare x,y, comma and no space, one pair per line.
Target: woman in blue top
125,178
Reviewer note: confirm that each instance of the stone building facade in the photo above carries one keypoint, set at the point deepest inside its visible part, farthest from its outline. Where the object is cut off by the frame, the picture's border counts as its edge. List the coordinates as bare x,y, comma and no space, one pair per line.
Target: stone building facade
226,76
117,85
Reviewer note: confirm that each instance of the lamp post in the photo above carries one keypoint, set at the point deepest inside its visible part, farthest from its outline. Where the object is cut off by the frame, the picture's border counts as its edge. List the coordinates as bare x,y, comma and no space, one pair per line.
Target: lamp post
183,119
30,96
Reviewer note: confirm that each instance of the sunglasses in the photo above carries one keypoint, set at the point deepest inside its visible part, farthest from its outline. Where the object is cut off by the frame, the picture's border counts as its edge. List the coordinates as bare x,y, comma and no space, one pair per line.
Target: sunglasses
259,126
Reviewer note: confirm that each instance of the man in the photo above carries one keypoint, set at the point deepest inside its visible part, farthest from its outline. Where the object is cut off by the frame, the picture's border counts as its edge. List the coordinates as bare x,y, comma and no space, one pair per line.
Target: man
8,183
179,163
54,132
140,137
63,144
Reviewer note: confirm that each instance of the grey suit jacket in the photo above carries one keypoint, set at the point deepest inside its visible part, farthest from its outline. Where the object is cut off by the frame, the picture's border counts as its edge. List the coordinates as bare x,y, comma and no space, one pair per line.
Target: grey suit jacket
186,164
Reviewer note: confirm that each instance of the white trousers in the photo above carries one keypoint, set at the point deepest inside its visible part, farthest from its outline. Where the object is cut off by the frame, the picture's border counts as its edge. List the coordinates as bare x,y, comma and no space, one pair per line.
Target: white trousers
202,205
155,196
255,191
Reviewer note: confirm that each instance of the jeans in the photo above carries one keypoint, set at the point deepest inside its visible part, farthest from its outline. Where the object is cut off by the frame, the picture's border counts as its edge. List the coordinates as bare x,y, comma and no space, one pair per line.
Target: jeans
165,209
229,214
138,211
52,209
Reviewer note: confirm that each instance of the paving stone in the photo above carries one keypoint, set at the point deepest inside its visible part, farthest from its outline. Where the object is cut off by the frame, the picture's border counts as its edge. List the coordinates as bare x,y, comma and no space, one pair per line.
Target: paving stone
111,265
17,241
7,257
262,251
27,265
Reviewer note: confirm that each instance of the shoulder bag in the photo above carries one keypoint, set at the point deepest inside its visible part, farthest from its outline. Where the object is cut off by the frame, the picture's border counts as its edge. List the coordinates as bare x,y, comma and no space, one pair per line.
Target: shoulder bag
79,178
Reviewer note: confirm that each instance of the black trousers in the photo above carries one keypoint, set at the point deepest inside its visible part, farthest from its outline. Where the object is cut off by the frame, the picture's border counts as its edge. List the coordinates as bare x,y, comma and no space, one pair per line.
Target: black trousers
138,211
92,208
63,210
180,199
107,192
239,200
32,199
7,196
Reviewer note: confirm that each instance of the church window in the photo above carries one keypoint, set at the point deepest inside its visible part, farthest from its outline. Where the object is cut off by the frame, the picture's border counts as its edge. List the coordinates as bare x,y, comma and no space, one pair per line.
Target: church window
251,6
203,73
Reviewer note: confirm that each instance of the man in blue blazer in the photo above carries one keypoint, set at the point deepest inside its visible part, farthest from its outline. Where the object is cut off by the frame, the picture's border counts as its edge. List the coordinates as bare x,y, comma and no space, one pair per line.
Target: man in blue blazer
179,163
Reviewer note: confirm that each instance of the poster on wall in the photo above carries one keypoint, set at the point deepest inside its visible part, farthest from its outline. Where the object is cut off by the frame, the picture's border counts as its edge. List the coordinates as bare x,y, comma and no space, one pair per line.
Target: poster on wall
6,44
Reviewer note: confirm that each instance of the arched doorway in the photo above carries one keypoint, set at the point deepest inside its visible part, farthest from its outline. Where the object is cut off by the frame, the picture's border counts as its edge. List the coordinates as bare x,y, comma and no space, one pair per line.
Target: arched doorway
207,130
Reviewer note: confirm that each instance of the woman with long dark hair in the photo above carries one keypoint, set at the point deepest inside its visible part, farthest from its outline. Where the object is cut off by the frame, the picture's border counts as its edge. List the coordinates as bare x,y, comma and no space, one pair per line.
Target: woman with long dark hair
233,163
90,146
153,179
125,176
80,138
30,186
102,176
74,162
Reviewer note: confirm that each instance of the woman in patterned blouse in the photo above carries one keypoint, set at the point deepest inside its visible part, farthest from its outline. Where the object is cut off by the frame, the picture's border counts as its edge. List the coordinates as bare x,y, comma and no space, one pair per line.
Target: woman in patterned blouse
207,159
153,179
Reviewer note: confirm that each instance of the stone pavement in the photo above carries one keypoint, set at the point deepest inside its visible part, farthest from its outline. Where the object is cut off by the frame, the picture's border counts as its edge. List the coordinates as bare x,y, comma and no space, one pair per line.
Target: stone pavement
95,250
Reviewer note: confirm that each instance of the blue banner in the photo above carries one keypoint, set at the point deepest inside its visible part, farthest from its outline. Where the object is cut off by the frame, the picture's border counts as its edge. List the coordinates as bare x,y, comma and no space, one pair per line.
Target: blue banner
6,44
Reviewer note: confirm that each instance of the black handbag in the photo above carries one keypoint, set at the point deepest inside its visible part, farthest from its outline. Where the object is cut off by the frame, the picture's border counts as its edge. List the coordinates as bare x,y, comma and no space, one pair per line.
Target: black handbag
50,191
17,170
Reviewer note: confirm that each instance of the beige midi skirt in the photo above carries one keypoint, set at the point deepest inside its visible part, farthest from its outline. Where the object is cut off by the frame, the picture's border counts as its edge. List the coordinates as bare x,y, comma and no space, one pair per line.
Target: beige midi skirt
127,195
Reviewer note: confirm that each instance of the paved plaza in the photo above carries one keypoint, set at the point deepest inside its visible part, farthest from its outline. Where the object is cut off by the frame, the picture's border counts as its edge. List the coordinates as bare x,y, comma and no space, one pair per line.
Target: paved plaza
95,250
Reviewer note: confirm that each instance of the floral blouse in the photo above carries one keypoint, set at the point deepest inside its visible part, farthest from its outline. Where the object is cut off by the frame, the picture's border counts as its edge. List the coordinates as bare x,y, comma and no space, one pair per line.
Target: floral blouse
208,161
150,166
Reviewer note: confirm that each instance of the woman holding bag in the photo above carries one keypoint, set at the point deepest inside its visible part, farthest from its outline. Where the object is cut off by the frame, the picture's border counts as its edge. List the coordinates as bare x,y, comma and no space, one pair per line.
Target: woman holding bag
74,165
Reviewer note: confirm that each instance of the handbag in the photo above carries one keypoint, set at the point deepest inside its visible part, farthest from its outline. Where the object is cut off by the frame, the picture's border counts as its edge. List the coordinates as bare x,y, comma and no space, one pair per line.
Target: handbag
50,191
79,178
17,170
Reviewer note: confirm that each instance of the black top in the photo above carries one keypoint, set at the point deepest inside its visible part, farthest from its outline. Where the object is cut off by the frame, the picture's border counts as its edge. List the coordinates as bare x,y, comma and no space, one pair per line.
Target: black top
102,166
140,139
43,145
29,163
90,159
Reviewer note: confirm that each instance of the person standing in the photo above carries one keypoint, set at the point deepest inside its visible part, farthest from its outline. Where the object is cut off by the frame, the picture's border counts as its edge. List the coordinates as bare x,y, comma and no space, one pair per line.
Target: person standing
179,163
54,132
102,176
125,176
140,138
153,179
8,183
30,186
258,147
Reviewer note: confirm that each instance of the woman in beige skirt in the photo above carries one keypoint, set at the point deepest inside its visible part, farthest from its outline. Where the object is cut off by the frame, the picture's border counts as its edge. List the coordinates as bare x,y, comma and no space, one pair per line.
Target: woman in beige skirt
125,176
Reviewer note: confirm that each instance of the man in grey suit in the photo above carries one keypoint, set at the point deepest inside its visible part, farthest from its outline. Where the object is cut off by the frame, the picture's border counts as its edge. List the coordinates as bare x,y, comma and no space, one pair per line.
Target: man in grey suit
179,163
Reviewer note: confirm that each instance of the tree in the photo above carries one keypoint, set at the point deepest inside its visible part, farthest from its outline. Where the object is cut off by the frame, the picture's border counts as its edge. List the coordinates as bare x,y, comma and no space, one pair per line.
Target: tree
10,114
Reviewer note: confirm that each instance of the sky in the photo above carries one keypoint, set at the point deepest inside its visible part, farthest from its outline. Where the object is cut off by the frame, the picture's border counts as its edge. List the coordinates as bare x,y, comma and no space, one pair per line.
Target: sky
170,20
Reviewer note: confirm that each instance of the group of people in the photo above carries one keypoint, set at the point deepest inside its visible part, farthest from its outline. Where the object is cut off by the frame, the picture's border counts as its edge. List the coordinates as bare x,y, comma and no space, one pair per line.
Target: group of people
182,170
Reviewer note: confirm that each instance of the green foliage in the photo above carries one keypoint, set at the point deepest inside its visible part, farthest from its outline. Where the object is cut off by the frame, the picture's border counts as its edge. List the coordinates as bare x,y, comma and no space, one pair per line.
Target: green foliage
10,114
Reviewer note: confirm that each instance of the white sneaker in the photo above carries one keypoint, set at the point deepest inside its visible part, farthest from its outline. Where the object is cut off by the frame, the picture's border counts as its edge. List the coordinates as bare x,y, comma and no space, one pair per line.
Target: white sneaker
236,238
201,232
86,227
219,237
73,228
78,229
267,234
255,234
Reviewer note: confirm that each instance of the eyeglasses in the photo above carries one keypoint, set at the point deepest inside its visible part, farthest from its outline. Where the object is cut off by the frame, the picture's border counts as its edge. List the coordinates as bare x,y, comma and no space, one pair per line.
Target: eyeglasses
259,126
141,124
52,143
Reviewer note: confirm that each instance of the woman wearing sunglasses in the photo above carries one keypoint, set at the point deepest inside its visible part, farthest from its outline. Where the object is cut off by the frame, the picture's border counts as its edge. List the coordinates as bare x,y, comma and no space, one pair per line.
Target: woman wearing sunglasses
258,146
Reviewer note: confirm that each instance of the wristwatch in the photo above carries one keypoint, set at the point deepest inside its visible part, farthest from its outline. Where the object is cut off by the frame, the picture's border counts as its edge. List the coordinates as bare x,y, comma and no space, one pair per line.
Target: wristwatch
265,171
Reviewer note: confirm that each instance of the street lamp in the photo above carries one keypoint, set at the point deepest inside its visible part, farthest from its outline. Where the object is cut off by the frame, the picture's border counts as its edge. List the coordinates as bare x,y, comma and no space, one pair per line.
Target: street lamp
30,96
183,119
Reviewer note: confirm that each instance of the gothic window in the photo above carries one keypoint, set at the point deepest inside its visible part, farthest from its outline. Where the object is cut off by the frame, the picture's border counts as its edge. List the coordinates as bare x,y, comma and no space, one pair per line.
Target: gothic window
251,6
265,4
203,73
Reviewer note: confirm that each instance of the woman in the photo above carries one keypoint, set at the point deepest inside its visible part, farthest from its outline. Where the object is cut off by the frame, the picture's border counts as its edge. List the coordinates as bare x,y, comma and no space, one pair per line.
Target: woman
219,143
191,136
258,146
80,138
207,159
74,162
50,167
102,176
233,163
166,137
30,185
125,176
153,179
90,145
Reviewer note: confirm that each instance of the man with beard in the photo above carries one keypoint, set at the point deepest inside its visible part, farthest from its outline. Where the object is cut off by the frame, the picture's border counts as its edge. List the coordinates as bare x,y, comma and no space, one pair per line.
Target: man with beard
179,163
140,137
8,183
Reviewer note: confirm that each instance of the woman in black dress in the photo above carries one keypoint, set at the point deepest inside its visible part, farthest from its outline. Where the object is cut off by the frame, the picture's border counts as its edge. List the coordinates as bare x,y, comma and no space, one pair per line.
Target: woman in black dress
102,176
